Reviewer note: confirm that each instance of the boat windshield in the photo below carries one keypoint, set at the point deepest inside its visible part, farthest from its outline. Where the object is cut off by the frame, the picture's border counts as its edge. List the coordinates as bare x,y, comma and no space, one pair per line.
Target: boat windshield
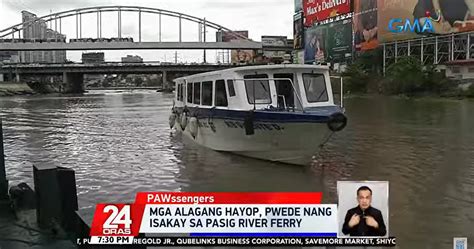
258,91
315,87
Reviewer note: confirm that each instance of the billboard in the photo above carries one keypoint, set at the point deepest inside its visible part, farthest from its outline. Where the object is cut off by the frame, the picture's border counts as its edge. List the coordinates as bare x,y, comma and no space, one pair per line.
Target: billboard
365,25
319,10
315,45
241,56
339,41
298,31
299,58
329,43
274,41
274,54
405,19
226,36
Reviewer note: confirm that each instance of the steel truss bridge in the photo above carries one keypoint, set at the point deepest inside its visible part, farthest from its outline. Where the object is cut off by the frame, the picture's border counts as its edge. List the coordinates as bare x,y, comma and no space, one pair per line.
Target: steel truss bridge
11,38
434,50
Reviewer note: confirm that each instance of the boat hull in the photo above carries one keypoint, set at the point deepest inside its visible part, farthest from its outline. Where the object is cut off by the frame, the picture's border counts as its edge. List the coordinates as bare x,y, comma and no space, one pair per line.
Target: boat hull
291,143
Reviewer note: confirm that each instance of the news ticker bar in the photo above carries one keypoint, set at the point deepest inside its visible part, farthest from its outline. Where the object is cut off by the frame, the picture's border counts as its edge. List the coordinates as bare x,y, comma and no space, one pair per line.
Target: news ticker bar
237,241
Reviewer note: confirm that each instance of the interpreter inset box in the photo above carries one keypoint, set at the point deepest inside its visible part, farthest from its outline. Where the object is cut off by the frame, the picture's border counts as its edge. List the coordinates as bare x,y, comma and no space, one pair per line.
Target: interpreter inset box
363,208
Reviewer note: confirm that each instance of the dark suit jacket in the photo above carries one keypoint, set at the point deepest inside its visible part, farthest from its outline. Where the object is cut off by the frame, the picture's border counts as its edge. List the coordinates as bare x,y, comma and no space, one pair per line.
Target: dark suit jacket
362,229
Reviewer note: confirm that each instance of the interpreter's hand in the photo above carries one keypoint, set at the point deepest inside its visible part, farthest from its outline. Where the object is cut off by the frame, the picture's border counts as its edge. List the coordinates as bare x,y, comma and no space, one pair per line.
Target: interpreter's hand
370,221
355,219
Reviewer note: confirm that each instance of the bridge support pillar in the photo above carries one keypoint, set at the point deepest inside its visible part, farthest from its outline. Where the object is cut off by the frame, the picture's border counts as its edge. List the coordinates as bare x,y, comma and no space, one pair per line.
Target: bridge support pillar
166,83
73,82
2,77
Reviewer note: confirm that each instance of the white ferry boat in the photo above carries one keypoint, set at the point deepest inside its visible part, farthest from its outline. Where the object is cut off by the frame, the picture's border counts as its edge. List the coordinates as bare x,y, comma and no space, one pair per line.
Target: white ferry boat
273,112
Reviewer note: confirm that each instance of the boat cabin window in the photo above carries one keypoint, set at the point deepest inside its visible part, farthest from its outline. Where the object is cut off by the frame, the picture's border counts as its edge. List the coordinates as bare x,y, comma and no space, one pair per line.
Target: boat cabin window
230,85
315,87
221,95
258,91
190,92
284,89
197,93
177,93
180,94
207,93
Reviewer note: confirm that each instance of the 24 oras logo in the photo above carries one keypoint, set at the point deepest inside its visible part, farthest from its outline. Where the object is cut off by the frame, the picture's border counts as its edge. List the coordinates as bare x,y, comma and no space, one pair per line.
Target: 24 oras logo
117,219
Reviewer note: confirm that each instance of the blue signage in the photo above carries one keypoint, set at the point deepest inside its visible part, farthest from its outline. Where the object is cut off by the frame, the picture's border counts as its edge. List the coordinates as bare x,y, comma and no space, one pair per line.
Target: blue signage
398,25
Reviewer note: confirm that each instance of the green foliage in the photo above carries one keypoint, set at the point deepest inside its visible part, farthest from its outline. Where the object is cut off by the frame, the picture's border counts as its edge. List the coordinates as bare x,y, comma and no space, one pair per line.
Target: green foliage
404,76
371,60
470,91
356,78
364,74
408,76
138,81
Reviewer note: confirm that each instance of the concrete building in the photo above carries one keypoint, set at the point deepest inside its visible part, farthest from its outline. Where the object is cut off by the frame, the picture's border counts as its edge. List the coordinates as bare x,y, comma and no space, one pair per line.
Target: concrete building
40,30
93,58
276,49
9,57
460,69
132,59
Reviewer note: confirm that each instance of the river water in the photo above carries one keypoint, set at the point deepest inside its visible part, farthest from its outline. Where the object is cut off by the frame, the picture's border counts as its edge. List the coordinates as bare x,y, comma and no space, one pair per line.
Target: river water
120,144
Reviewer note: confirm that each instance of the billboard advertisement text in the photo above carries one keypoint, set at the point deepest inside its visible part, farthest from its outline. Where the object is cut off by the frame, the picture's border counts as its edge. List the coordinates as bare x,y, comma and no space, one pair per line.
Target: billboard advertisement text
398,25
319,10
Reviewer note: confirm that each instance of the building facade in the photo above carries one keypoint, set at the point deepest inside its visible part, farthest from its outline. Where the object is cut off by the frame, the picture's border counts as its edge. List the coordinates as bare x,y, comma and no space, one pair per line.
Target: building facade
93,58
276,49
39,30
132,59
9,57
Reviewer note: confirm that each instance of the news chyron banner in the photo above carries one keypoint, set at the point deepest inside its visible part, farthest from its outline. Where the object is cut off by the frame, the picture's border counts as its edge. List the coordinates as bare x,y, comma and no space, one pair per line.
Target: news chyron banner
220,219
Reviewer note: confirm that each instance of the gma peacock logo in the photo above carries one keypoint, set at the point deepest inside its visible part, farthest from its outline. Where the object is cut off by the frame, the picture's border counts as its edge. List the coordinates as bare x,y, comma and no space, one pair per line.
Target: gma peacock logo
399,25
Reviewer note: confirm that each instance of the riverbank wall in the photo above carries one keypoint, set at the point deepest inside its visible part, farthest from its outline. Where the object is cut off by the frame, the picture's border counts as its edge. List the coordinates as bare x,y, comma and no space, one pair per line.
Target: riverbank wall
15,88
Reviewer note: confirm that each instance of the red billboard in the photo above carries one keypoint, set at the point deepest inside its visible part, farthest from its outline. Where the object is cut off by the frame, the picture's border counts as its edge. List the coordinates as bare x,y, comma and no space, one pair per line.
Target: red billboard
319,10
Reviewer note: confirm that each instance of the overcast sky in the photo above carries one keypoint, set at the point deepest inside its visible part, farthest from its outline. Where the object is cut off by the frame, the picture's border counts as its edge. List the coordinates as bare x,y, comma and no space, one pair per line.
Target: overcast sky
259,17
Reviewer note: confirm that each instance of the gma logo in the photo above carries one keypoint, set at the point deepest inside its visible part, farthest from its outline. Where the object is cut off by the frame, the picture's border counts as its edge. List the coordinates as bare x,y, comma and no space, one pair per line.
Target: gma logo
398,25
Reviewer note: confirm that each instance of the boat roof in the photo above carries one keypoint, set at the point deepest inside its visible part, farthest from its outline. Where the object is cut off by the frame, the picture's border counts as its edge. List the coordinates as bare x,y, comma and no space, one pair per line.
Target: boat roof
258,67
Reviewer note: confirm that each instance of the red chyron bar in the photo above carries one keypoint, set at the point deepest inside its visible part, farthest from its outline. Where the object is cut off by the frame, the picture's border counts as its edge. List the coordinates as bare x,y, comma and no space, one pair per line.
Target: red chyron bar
124,219
228,198
256,241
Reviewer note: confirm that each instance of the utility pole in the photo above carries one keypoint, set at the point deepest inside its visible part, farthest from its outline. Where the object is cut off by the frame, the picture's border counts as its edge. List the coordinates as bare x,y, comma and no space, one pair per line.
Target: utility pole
204,38
175,57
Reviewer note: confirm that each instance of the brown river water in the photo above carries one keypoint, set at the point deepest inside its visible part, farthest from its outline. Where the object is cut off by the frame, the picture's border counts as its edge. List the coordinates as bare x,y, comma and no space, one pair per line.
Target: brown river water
120,144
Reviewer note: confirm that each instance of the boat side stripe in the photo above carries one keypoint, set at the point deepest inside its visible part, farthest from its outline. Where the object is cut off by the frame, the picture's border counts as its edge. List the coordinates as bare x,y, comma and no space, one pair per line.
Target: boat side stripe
259,116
